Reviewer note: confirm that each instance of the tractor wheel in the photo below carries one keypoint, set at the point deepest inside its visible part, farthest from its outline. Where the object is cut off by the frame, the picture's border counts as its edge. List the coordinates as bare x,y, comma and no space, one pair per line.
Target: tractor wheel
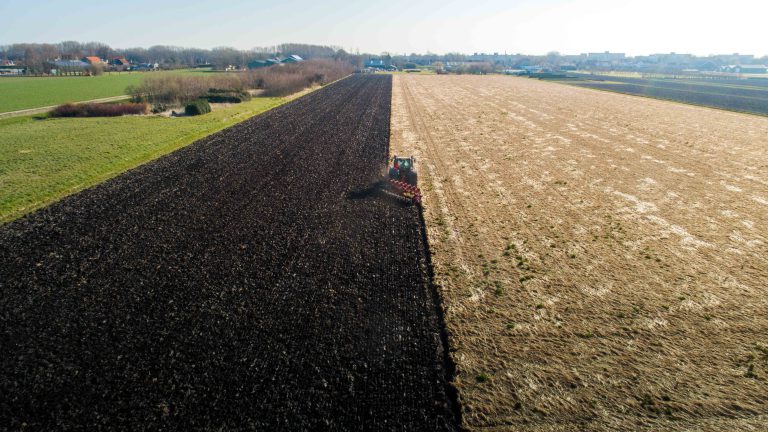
413,178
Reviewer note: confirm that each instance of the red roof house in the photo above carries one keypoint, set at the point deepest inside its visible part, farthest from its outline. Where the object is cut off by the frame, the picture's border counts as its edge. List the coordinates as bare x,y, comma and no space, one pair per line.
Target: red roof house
93,60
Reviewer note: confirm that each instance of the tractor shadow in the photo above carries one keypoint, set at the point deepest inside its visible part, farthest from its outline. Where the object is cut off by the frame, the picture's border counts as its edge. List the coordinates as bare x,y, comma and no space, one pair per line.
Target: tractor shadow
376,191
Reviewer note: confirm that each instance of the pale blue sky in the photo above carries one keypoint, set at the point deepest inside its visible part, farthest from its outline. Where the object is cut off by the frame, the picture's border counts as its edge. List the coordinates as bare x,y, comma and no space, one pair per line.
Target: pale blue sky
528,26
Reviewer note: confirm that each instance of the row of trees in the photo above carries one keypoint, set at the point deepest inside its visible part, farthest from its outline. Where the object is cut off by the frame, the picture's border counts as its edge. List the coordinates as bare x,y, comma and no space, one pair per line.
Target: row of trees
163,90
35,55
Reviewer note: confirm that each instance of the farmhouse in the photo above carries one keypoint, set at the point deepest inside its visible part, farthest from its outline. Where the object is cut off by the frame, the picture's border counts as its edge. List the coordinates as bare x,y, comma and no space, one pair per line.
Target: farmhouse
120,61
93,60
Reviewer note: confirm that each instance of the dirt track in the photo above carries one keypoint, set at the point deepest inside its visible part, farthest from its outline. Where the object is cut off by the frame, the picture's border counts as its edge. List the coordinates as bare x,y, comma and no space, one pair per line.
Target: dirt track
244,282
602,257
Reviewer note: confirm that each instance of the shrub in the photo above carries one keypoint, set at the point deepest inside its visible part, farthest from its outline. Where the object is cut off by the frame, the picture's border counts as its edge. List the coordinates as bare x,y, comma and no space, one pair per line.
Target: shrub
170,89
282,80
95,70
160,107
227,96
198,107
98,110
284,84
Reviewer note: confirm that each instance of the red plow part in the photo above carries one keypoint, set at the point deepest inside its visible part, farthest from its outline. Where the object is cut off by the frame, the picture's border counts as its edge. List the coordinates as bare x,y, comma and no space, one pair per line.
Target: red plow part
404,190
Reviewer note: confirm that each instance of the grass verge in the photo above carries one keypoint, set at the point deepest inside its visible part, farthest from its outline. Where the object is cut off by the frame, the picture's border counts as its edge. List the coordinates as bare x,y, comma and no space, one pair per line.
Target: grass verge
42,161
19,93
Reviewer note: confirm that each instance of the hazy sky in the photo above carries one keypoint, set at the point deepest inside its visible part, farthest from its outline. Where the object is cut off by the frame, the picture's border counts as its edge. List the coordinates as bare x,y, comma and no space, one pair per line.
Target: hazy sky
529,26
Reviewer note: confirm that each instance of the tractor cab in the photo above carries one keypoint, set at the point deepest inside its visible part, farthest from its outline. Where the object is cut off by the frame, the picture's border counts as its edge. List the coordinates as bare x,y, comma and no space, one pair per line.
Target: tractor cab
403,164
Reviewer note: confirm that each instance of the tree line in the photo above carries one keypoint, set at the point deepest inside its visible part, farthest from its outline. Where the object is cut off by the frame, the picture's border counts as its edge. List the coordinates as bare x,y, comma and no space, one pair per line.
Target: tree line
35,56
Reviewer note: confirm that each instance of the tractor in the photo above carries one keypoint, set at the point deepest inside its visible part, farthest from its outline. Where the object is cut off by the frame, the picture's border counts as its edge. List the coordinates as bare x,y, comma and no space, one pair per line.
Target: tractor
402,180
402,169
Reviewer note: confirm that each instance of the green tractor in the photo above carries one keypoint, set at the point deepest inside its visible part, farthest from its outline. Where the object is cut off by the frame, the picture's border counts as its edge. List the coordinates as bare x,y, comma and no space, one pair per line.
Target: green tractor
402,169
402,180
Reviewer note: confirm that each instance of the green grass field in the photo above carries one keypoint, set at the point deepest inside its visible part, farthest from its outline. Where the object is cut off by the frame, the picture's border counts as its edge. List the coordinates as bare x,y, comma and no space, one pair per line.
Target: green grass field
18,93
44,160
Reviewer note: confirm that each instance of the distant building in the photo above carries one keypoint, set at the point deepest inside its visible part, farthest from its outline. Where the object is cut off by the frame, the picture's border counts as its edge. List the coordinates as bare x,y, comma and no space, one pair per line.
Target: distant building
746,69
606,56
274,61
146,67
735,58
93,60
263,63
257,64
375,64
120,61
292,59
71,64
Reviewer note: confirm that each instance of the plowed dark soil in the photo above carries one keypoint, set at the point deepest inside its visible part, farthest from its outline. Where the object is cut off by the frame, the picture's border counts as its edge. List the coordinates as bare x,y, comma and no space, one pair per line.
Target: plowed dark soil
244,282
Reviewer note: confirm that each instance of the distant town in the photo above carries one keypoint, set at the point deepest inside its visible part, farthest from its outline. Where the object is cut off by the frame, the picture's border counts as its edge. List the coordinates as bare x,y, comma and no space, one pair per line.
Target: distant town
610,61
75,58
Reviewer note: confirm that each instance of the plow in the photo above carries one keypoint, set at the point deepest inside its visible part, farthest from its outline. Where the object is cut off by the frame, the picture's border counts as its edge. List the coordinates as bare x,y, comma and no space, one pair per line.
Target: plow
402,180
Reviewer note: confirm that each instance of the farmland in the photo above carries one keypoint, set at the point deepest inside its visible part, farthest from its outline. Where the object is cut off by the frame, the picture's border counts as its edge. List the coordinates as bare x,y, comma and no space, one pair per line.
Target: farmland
746,95
602,257
242,282
44,160
18,93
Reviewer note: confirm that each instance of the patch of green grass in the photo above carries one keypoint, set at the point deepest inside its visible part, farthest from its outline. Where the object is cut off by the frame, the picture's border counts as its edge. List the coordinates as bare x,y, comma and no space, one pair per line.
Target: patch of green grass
18,93
42,161
483,377
750,373
762,349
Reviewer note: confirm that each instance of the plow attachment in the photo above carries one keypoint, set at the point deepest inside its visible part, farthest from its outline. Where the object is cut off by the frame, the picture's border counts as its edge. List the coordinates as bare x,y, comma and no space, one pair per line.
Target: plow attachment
402,191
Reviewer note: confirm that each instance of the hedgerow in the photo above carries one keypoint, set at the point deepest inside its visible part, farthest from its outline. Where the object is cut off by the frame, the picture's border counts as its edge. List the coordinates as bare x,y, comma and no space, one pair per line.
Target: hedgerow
98,110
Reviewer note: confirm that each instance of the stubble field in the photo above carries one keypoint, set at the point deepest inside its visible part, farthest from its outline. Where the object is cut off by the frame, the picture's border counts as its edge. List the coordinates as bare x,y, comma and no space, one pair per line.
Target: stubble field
602,257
